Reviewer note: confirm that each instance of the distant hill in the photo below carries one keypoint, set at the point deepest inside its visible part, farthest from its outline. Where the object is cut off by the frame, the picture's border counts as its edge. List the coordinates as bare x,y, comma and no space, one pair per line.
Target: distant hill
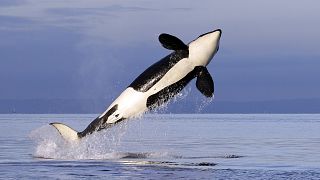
186,105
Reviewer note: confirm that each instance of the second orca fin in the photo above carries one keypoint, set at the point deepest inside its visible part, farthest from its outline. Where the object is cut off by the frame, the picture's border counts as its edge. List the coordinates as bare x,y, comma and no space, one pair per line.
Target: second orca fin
205,82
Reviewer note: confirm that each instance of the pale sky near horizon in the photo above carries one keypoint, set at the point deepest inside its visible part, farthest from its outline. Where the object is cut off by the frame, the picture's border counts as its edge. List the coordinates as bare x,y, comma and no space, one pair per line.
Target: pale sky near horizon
94,49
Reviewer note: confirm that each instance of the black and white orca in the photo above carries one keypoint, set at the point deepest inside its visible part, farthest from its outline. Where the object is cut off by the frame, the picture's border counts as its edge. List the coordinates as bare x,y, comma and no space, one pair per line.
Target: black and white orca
160,82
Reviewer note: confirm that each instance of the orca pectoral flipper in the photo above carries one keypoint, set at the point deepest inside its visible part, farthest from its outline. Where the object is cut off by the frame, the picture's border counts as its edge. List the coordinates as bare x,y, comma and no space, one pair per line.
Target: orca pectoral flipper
171,42
204,82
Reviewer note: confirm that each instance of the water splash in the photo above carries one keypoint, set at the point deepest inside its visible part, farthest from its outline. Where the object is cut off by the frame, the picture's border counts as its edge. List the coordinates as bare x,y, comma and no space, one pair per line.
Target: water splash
204,103
162,107
100,145
107,144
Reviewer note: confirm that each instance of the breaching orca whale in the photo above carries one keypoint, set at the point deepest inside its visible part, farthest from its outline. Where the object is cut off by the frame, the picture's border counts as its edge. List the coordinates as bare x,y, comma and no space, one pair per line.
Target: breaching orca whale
160,82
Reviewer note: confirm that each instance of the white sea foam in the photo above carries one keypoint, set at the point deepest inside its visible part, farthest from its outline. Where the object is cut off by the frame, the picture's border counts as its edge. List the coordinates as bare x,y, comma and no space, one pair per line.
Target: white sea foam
100,145
105,144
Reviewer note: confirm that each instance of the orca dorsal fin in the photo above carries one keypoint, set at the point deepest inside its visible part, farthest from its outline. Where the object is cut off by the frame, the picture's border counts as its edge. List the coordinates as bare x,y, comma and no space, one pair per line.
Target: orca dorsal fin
171,42
205,82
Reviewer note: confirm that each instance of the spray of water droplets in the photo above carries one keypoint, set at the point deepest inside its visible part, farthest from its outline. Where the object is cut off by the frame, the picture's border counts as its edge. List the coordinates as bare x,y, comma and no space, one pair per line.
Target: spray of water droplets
203,104
100,145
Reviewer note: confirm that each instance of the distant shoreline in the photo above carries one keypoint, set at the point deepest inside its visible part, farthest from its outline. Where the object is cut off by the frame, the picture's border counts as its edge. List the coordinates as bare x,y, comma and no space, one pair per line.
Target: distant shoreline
182,106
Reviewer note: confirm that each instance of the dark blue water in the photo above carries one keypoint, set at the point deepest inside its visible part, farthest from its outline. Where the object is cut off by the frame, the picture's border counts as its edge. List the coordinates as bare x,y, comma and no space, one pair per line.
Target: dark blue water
171,146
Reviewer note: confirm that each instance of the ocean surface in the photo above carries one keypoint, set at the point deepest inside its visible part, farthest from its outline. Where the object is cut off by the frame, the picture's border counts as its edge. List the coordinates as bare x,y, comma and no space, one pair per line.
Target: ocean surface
158,146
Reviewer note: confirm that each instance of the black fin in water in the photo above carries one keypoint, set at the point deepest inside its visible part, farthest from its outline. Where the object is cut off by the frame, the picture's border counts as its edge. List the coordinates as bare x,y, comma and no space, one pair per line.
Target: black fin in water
171,42
204,82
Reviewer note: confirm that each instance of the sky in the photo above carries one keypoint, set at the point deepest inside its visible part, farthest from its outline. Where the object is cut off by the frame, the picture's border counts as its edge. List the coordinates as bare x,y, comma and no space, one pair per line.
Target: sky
69,49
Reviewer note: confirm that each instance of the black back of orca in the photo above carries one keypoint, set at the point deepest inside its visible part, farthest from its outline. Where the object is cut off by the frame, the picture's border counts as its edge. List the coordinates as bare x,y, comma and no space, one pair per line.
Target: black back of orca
156,71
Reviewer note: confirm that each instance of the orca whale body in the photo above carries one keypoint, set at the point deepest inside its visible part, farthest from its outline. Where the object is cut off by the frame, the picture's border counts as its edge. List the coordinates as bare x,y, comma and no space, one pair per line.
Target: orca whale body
158,83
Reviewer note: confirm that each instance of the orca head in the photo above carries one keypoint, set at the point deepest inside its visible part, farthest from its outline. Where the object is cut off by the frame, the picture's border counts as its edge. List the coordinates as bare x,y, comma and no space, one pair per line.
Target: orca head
202,49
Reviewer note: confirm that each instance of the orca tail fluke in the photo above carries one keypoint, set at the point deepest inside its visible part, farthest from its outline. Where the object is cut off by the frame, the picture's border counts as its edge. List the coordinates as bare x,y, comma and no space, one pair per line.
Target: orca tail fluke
66,132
